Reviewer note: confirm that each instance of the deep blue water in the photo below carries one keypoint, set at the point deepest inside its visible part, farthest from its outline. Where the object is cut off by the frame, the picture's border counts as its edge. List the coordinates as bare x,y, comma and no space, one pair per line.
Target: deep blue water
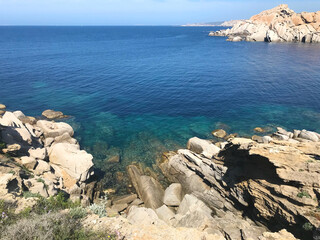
139,91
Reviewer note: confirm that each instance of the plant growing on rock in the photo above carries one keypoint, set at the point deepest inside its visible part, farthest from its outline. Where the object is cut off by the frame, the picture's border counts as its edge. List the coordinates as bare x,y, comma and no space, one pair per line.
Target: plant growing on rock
303,194
100,208
78,212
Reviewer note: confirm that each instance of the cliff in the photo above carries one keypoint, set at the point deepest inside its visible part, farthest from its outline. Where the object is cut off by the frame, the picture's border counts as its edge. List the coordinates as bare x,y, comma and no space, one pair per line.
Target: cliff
279,24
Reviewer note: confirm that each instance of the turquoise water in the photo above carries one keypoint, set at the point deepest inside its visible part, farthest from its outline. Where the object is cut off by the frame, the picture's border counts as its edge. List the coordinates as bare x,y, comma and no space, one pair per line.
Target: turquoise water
139,91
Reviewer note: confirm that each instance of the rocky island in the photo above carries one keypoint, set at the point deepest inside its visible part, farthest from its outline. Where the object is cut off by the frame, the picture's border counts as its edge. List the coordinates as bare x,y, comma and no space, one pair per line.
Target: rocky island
233,188
280,24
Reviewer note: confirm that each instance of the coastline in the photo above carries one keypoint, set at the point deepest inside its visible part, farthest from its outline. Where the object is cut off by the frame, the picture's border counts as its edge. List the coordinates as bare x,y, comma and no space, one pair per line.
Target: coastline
229,178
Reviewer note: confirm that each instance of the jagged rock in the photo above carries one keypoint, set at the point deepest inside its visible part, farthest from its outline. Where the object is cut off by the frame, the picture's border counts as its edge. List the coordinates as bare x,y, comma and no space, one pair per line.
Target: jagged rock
149,190
276,182
281,235
204,147
53,129
2,106
279,24
51,114
75,162
28,162
173,195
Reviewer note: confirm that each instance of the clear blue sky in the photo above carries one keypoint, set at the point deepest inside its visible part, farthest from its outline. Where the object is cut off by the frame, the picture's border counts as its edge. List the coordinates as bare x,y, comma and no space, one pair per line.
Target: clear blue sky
136,12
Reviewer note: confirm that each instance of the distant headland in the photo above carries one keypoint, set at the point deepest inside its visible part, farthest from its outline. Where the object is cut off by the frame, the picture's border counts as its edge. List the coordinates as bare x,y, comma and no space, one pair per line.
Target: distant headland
280,24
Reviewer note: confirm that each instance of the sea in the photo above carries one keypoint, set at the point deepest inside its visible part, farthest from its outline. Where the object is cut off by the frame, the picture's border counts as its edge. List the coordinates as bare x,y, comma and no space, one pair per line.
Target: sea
134,92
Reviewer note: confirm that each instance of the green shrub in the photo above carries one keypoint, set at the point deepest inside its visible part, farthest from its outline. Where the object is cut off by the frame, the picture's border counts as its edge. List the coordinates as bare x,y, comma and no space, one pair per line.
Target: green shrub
78,212
303,194
307,226
31,195
52,226
52,204
98,209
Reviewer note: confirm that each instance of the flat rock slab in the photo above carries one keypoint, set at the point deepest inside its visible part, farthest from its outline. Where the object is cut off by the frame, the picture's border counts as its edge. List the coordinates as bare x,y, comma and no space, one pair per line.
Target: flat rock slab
125,199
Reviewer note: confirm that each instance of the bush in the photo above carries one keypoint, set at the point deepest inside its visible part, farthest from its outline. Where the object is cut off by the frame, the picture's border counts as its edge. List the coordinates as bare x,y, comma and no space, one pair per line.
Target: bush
307,226
31,195
53,204
303,194
98,209
59,226
78,212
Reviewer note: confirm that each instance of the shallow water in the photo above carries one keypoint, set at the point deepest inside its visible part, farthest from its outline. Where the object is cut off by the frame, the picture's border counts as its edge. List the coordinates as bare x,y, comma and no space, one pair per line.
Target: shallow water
139,91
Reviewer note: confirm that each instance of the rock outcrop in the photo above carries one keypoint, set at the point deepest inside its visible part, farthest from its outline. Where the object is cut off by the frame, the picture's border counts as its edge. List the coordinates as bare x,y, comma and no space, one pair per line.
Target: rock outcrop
53,159
274,182
279,24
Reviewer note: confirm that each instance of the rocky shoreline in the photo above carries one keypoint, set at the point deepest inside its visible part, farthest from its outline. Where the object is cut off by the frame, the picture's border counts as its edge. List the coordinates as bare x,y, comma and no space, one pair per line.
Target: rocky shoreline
233,188
280,24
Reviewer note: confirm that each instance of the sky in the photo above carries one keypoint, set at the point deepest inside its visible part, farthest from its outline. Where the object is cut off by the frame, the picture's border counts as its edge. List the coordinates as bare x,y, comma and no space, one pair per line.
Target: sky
136,12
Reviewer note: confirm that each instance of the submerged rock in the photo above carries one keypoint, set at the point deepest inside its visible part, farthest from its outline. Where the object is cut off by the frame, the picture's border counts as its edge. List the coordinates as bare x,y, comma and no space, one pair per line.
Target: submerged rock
51,114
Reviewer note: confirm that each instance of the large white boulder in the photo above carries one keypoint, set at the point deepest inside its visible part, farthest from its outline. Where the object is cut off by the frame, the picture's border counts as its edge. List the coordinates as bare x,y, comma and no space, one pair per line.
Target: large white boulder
68,157
54,129
173,195
204,147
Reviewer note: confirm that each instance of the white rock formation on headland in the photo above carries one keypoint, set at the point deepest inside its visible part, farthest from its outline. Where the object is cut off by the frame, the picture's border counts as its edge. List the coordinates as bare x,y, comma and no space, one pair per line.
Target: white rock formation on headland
280,24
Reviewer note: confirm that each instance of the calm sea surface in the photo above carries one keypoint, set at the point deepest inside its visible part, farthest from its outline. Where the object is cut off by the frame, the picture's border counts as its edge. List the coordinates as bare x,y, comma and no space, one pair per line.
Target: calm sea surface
139,91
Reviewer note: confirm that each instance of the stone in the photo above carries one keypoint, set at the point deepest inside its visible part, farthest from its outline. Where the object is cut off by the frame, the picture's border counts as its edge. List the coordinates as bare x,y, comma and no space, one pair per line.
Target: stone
112,212
2,112
219,133
19,115
203,147
48,141
304,134
2,106
75,162
28,162
190,203
280,137
42,167
173,195
53,129
119,207
143,216
258,139
51,114
65,138
137,202
149,189
281,235
259,129
14,131
38,187
125,199
165,214
39,153
114,159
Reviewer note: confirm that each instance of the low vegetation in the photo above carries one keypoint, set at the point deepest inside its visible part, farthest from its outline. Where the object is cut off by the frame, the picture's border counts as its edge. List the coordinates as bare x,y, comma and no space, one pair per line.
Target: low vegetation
46,221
